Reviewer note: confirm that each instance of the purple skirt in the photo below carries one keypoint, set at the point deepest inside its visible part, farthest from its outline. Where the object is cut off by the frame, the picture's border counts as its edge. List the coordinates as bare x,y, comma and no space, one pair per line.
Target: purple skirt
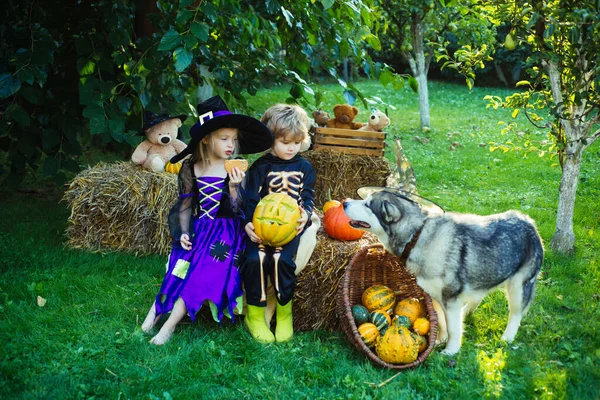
209,271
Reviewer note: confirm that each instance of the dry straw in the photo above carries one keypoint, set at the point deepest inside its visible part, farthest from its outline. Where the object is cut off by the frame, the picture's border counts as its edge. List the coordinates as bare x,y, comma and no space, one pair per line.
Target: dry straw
344,173
317,285
120,206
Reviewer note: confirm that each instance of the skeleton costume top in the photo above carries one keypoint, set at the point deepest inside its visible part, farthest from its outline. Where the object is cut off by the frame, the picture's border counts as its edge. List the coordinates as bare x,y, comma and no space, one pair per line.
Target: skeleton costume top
270,174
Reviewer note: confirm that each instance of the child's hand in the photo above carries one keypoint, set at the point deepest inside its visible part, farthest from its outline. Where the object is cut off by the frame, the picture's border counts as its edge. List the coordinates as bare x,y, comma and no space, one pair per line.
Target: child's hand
250,232
302,221
236,176
185,242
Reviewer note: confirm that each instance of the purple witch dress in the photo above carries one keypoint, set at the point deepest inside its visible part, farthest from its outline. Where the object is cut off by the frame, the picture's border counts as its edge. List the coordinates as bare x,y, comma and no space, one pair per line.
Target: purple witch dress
209,271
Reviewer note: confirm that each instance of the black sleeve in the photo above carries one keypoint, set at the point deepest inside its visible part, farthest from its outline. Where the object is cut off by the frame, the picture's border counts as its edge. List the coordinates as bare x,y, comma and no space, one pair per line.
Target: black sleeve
251,190
308,189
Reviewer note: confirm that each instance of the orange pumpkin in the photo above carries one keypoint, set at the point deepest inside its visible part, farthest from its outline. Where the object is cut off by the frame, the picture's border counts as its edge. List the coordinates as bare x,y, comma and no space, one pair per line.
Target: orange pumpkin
275,219
173,168
337,225
330,203
411,308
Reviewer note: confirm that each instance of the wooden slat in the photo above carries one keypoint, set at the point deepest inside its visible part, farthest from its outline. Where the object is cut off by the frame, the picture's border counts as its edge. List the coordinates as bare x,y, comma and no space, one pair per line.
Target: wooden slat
350,150
350,133
348,142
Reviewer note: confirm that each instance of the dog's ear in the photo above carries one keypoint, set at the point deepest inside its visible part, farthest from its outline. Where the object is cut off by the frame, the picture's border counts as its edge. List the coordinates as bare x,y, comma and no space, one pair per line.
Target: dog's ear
390,212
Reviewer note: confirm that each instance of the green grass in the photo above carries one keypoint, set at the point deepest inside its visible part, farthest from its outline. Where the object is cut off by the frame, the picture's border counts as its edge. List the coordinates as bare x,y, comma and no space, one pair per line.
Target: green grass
86,342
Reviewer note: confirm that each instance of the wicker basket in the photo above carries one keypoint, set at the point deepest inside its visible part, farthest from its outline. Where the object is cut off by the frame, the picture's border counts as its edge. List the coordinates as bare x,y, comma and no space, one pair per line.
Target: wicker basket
373,265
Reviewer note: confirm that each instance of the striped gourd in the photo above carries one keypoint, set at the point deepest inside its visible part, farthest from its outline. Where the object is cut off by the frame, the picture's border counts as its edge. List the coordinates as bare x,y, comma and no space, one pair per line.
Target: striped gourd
380,319
369,334
378,297
360,314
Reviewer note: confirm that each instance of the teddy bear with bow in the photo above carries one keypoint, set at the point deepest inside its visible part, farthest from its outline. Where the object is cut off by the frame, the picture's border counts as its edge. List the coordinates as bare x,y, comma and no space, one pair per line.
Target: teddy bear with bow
344,115
161,141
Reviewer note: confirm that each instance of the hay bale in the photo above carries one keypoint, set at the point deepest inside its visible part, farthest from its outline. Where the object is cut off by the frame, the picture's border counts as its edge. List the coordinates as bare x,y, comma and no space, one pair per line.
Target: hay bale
344,173
317,285
120,206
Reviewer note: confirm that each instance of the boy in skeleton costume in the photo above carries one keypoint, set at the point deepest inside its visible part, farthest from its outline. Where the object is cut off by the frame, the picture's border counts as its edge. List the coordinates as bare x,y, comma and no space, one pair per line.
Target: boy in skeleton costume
282,170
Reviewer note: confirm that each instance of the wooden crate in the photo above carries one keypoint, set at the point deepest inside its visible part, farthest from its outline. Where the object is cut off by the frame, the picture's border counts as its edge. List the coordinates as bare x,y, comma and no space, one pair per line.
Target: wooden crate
349,141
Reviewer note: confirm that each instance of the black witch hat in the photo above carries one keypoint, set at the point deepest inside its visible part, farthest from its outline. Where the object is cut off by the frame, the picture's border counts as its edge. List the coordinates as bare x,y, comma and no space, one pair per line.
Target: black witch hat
254,135
151,119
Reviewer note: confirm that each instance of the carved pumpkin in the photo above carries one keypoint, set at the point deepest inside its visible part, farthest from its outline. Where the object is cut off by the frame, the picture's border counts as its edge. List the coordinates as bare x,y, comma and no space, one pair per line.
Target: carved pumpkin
275,219
337,225
173,168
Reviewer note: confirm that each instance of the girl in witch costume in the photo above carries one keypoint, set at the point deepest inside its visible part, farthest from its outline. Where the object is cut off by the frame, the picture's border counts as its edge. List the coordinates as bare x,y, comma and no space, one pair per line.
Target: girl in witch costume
282,170
206,223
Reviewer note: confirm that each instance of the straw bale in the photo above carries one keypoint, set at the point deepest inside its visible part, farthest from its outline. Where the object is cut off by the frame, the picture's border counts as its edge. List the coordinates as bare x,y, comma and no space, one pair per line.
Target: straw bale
344,173
317,285
120,206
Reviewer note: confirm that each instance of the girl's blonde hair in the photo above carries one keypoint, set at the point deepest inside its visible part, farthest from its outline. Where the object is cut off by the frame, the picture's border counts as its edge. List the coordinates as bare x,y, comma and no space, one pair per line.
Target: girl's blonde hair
286,119
203,150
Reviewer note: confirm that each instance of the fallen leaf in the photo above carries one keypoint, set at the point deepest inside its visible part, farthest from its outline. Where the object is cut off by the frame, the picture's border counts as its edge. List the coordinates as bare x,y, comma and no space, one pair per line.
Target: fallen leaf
41,301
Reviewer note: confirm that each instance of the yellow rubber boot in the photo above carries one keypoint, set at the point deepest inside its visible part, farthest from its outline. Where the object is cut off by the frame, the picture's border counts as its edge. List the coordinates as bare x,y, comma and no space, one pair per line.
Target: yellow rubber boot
284,330
255,321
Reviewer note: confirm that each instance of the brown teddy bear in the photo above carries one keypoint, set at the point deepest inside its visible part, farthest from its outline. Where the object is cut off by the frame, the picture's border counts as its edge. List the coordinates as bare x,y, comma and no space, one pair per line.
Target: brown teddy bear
377,122
344,115
321,117
161,141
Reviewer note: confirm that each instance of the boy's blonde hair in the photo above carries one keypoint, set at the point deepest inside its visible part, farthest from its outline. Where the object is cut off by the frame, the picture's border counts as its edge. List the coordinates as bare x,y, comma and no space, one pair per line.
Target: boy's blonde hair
287,119
203,150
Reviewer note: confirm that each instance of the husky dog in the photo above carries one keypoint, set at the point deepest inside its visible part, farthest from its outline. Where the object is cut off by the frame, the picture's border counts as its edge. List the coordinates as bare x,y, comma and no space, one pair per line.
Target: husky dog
457,258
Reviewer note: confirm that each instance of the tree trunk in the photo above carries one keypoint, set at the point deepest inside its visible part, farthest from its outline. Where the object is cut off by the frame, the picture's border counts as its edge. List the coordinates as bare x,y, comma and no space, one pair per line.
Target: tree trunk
563,240
419,69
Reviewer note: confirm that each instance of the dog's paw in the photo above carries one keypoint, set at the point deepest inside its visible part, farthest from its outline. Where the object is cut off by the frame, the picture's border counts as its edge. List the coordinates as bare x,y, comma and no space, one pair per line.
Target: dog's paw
508,339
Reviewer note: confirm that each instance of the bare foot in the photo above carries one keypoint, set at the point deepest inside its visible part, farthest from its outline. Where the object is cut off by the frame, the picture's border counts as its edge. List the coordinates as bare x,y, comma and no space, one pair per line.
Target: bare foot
162,336
150,320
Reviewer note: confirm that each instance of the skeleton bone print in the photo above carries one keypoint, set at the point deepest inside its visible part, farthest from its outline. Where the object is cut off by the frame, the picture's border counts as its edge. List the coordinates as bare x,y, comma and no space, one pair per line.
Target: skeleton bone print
289,182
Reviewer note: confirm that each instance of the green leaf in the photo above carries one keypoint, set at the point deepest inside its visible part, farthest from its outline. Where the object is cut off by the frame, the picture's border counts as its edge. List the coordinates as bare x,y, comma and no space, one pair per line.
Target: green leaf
289,18
145,98
169,41
414,84
86,67
183,58
522,83
183,16
327,4
398,82
386,77
124,104
50,166
98,126
200,30
9,85
116,126
50,139
93,111
17,114
373,41
515,112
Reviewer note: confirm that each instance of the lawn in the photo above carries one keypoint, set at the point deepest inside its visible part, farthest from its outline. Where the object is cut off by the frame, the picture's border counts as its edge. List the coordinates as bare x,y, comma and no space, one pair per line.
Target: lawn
85,342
